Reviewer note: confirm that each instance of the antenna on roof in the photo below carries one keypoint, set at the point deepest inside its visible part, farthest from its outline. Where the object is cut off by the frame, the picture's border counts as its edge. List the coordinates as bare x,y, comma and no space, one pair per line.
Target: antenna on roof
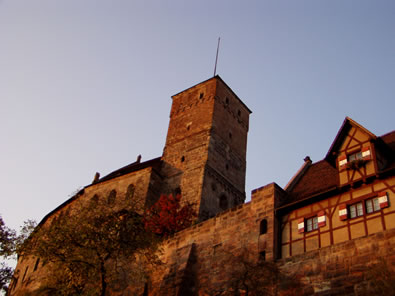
216,58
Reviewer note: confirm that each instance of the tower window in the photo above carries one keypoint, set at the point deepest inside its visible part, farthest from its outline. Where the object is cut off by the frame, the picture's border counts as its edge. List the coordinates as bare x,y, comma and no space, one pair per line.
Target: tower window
201,95
182,158
263,227
238,113
36,265
230,135
223,202
227,101
227,167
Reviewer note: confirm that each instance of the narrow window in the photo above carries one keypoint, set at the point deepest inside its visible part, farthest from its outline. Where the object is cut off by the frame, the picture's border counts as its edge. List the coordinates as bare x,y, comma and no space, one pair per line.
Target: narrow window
262,255
94,199
111,197
145,293
36,265
230,135
130,192
263,227
182,158
24,275
201,95
239,113
223,202
227,167
227,101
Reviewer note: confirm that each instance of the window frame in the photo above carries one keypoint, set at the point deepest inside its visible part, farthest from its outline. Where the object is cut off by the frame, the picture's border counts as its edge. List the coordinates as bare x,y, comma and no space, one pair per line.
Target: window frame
355,156
375,204
314,224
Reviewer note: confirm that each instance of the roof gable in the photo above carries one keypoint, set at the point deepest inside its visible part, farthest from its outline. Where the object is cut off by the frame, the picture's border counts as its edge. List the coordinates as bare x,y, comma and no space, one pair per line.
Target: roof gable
319,177
344,130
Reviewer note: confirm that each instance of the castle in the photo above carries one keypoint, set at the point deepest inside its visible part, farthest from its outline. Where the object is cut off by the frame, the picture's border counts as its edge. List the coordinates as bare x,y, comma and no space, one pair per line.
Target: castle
331,229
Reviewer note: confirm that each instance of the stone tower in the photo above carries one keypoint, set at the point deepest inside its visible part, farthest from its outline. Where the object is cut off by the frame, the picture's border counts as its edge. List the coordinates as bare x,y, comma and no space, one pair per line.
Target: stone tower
205,153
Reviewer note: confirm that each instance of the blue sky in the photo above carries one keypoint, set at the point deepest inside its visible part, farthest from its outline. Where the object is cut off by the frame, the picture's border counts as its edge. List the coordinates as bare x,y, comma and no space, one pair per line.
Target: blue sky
86,86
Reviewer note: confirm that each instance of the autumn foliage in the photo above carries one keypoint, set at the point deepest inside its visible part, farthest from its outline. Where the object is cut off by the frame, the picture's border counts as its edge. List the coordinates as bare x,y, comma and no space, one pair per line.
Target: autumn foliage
167,216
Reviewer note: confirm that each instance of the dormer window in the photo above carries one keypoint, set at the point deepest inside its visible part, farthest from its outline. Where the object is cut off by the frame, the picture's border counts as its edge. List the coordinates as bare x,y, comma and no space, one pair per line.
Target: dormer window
355,156
355,160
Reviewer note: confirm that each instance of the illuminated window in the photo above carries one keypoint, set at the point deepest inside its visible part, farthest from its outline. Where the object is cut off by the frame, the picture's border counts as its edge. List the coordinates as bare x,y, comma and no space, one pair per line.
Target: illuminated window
311,224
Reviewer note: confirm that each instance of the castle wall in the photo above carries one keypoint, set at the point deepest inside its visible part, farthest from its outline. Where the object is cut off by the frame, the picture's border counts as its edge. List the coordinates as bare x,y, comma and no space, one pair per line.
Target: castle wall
197,252
202,260
362,266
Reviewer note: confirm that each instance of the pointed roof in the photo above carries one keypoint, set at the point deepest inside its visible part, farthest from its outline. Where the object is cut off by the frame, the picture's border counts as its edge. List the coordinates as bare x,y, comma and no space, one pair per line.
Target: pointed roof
348,123
316,179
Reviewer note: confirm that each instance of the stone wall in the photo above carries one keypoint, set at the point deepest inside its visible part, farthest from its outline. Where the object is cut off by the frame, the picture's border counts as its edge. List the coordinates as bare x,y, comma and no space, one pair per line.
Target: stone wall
363,266
207,257
194,258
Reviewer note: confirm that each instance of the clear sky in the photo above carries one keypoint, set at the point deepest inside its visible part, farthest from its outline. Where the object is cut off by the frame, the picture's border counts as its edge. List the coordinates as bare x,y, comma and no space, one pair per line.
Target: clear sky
86,86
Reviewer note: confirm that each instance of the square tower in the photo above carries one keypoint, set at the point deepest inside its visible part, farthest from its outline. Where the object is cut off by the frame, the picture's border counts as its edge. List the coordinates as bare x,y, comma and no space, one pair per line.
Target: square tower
205,153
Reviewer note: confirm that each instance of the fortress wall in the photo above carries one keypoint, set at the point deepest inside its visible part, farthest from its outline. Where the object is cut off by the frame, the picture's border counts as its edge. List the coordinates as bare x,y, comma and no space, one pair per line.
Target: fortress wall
196,258
200,250
363,266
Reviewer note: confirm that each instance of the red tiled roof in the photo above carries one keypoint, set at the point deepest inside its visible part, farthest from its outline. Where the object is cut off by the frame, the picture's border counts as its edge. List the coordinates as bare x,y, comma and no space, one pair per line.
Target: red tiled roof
322,176
319,177
389,139
135,166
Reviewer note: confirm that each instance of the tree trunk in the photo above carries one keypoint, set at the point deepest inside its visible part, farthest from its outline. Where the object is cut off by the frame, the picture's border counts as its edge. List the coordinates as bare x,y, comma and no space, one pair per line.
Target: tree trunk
103,279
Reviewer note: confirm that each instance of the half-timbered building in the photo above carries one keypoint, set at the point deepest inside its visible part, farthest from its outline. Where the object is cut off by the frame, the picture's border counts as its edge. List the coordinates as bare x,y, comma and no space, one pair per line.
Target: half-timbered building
345,196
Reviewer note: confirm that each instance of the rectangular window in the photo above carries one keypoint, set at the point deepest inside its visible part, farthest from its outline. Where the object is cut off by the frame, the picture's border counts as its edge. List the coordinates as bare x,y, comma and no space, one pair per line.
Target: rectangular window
356,210
355,156
311,224
372,205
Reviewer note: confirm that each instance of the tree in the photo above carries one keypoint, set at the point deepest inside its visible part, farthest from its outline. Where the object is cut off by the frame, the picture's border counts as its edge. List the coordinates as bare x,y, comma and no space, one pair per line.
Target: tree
92,248
7,249
9,243
243,272
167,216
